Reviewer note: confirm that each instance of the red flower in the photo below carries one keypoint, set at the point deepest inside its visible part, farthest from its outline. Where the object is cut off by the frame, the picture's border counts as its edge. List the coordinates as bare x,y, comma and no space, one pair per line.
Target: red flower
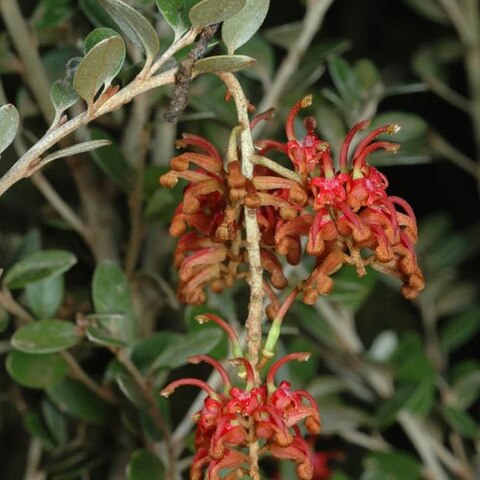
342,216
230,420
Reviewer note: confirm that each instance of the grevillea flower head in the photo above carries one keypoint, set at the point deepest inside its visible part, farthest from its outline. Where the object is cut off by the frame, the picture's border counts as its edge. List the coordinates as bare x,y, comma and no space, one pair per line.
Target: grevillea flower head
239,415
339,215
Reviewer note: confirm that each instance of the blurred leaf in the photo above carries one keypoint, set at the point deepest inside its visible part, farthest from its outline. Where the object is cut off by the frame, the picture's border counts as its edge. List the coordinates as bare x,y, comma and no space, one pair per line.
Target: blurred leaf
96,36
176,13
412,126
223,63
351,291
31,243
313,323
35,427
46,336
237,30
145,351
112,161
37,266
303,371
99,67
4,320
63,96
422,398
208,12
383,346
195,343
460,329
54,12
416,397
111,294
449,251
112,330
45,296
128,386
461,422
135,26
72,398
144,465
430,9
284,35
325,385
9,121
409,361
466,389
263,52
96,13
161,205
9,63
330,126
391,465
338,418
367,74
345,80
55,422
36,371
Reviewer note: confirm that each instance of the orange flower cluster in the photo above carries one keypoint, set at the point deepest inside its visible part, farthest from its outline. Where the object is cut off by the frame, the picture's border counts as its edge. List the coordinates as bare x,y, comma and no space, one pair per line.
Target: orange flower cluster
339,216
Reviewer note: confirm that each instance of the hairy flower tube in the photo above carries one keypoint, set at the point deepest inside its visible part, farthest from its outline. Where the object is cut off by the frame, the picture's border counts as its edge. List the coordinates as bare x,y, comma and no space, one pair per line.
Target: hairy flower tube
337,214
239,415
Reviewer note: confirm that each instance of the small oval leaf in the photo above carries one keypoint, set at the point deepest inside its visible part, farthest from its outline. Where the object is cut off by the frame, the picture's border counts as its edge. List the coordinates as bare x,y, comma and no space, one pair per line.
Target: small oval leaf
176,12
39,265
45,296
237,30
175,355
46,336
208,12
144,465
135,26
63,96
99,67
72,398
96,36
36,371
9,121
111,295
223,63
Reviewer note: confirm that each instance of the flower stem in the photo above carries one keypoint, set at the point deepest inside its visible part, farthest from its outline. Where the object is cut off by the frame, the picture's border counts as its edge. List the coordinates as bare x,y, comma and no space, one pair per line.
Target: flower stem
255,307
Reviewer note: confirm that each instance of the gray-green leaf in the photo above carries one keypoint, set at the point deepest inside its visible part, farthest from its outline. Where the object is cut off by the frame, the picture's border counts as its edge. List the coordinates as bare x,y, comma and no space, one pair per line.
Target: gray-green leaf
46,336
99,67
237,30
39,265
135,26
223,63
36,371
176,12
96,36
63,96
9,121
208,12
75,150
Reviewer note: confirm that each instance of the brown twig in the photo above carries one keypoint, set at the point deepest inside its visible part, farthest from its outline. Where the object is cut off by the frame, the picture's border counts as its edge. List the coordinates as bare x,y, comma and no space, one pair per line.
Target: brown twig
183,78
